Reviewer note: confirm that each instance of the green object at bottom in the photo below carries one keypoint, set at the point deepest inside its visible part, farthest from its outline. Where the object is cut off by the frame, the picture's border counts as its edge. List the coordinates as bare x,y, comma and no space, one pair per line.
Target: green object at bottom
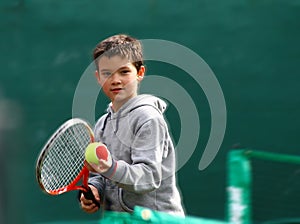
144,215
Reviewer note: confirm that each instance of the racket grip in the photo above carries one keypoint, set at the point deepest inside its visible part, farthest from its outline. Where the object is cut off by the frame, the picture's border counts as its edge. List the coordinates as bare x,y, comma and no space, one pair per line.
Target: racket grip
90,196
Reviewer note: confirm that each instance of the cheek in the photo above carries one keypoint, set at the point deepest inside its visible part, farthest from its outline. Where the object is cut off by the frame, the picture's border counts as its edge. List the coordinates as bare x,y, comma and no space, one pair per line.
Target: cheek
132,82
104,86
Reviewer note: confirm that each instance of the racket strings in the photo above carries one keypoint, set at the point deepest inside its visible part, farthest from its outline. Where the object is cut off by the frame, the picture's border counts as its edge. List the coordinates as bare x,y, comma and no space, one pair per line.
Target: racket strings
65,157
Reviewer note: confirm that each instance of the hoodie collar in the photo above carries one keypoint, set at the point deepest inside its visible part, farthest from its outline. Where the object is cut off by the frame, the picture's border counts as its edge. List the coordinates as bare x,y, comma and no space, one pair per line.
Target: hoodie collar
132,104
138,101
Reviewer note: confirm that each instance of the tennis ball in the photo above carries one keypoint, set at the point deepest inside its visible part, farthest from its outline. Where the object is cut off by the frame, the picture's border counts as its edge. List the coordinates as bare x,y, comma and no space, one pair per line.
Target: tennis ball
91,152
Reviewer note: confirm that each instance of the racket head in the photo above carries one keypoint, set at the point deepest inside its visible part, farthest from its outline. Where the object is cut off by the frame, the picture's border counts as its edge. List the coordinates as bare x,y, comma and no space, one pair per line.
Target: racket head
60,164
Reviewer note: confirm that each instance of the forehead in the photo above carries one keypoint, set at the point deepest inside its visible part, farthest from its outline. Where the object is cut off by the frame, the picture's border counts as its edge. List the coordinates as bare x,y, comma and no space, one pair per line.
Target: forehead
113,63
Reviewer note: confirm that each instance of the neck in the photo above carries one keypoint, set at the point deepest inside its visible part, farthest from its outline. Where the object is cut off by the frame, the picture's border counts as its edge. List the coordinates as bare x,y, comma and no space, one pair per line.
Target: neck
116,105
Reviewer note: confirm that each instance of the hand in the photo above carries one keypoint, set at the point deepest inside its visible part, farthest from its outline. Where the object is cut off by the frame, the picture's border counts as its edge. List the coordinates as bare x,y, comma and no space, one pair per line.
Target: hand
90,168
98,157
88,205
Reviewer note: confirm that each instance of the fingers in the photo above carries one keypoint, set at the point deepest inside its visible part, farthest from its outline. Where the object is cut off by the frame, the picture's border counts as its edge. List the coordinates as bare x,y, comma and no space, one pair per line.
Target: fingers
88,205
102,166
90,168
95,192
98,157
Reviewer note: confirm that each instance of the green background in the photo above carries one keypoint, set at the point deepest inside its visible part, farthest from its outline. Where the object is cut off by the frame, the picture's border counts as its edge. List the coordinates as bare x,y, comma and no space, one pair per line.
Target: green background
252,47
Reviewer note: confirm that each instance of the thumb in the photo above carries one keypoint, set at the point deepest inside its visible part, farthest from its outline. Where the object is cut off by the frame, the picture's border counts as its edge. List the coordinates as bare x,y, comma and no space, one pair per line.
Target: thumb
95,192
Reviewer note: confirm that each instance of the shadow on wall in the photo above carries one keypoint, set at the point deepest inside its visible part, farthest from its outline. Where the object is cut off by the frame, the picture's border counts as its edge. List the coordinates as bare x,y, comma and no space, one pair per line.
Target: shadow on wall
9,121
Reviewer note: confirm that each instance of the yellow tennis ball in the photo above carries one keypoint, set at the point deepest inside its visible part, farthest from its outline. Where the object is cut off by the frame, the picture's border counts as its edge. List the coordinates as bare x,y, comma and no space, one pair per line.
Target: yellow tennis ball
90,153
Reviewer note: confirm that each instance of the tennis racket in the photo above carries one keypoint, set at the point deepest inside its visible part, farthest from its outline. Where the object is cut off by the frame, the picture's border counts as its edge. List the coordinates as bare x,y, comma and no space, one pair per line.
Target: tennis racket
61,165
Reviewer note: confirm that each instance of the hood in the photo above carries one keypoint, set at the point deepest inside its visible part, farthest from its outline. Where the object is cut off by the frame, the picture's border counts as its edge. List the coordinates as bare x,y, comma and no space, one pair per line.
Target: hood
139,101
134,103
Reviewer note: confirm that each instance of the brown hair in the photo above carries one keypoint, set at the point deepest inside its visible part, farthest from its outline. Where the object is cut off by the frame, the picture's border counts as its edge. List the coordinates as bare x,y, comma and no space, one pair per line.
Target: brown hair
122,45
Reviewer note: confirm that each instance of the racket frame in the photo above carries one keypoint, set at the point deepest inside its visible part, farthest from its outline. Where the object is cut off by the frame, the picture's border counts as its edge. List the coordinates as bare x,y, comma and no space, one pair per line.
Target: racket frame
83,174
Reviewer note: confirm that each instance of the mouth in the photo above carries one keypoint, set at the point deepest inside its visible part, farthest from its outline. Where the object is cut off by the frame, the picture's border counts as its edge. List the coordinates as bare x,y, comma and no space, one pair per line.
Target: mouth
116,90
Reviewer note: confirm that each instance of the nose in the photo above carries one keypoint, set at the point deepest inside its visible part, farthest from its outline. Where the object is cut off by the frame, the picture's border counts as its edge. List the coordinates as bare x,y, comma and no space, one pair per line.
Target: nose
115,79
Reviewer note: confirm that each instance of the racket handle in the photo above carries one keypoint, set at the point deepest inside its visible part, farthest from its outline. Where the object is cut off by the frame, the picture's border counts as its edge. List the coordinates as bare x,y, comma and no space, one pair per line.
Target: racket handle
90,196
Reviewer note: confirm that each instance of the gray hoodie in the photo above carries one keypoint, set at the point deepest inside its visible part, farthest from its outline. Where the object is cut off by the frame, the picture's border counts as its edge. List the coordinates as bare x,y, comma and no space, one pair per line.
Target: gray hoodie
143,171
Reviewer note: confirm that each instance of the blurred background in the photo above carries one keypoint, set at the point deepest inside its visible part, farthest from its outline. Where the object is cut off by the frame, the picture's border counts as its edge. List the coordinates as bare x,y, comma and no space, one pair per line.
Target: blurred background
252,47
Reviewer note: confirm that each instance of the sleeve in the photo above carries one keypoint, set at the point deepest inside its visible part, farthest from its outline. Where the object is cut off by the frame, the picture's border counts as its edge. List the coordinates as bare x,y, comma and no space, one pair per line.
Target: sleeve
144,174
98,181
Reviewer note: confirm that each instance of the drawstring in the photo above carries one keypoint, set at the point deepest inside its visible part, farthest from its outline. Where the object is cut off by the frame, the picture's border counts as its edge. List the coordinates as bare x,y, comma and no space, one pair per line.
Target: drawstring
105,121
117,122
122,203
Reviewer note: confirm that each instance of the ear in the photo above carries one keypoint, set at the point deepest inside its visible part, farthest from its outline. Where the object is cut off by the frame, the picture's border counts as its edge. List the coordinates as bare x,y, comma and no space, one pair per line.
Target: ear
141,73
97,75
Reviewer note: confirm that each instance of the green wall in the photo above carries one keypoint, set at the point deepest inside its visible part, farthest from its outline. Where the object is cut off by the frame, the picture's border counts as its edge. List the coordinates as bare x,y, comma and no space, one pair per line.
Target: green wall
252,47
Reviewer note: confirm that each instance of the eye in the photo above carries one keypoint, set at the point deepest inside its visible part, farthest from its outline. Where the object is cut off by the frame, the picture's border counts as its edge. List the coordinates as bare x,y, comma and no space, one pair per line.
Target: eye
125,71
105,73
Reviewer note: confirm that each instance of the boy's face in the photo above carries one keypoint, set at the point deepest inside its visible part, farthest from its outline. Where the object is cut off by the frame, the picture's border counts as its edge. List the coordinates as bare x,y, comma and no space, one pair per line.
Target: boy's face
118,78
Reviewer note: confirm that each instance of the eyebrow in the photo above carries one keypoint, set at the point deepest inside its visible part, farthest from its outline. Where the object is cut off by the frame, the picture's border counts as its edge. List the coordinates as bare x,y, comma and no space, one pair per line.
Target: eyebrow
104,70
108,70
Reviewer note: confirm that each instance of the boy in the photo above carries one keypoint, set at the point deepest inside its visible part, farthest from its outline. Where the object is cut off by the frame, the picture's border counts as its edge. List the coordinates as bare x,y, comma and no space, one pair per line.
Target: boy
141,168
